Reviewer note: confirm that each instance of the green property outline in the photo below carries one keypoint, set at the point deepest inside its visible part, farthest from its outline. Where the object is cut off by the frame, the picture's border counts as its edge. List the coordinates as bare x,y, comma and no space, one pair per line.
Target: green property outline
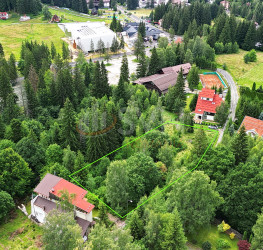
137,138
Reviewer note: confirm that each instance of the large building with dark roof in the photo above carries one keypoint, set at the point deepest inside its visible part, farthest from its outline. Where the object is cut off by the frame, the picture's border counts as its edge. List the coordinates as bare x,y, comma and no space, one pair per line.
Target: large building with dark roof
49,191
166,78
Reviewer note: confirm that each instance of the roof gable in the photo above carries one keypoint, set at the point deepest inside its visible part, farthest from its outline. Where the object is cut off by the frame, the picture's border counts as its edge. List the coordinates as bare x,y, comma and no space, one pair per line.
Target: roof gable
46,184
206,105
253,124
79,192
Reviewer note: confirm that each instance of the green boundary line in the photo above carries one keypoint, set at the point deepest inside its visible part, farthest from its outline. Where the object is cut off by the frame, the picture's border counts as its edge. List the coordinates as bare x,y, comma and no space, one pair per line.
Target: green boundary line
151,197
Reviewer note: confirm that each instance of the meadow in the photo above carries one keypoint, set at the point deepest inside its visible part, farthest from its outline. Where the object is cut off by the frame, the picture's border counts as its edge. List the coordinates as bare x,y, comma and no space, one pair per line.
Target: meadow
142,12
244,74
20,233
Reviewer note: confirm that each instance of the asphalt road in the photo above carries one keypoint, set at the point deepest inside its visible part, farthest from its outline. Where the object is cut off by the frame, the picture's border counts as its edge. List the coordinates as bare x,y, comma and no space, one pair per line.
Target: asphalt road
234,100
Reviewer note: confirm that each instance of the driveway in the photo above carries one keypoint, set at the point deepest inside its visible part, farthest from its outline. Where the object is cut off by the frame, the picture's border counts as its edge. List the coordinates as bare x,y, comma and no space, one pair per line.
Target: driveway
234,100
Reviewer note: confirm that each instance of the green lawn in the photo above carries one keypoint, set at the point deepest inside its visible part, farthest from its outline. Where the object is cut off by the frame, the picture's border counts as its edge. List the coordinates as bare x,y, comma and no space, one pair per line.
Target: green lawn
141,12
20,233
188,100
244,74
211,234
11,36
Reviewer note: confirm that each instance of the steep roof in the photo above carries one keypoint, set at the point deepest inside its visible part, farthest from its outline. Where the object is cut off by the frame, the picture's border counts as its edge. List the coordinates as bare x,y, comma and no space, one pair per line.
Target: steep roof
161,81
251,123
206,105
176,69
80,193
46,184
45,204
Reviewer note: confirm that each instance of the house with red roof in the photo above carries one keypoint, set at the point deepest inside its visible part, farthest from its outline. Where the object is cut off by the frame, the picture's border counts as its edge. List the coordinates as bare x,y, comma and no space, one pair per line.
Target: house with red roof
49,191
206,105
4,15
253,126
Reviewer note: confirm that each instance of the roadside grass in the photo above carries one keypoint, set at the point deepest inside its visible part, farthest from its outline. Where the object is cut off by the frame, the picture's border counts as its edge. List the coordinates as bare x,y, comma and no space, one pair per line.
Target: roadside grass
142,12
212,235
244,74
11,36
28,237
189,98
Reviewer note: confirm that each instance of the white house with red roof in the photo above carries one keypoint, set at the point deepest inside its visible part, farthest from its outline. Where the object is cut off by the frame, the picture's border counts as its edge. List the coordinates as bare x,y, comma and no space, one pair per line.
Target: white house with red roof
4,15
49,191
253,126
206,105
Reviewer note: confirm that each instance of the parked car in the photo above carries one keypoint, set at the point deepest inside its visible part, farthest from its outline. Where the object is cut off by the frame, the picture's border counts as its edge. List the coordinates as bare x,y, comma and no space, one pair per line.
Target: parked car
212,127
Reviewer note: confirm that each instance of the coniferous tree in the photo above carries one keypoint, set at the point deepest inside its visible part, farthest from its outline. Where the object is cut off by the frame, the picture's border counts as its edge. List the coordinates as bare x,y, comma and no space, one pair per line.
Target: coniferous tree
53,50
122,43
11,110
65,51
249,42
5,86
200,142
136,226
68,125
240,146
124,69
12,67
119,27
2,128
225,36
106,90
78,83
174,237
2,54
91,5
211,39
87,79
32,102
142,66
121,92
16,130
142,30
154,64
113,25
139,47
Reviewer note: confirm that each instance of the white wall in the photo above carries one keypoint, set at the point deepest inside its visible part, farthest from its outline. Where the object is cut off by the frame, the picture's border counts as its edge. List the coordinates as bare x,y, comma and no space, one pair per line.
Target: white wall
210,117
84,216
38,213
85,42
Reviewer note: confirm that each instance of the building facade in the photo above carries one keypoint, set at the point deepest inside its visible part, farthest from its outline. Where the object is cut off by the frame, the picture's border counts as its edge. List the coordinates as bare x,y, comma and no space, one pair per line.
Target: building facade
206,105
49,191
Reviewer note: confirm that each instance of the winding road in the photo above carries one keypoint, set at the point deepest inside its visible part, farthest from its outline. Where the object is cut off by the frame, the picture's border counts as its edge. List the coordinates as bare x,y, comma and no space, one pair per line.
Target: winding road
234,100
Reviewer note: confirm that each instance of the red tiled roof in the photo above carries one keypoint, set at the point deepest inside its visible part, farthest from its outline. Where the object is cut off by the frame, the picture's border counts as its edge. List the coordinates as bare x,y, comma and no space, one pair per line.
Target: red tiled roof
251,123
73,189
205,105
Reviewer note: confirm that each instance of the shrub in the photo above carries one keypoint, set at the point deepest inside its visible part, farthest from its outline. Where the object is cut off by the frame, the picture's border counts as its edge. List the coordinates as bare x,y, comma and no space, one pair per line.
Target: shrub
223,227
243,245
206,245
232,236
222,244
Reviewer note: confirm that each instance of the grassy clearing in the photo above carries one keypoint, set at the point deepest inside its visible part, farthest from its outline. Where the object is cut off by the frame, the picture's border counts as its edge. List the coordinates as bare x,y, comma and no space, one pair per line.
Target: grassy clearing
244,74
11,36
142,12
212,235
20,233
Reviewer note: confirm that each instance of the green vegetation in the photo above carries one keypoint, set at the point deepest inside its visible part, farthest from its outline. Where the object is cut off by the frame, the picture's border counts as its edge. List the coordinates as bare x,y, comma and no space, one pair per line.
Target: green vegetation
11,36
142,12
212,235
244,74
20,231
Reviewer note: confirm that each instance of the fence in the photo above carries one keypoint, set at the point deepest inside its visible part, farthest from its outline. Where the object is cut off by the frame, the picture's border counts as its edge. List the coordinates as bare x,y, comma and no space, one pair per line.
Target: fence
215,73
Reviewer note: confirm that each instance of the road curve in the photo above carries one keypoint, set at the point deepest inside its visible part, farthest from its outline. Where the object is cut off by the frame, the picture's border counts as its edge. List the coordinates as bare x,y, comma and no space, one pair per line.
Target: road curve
234,99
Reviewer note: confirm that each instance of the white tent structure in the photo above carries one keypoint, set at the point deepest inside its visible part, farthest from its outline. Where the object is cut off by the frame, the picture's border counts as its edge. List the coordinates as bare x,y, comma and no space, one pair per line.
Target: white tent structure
87,32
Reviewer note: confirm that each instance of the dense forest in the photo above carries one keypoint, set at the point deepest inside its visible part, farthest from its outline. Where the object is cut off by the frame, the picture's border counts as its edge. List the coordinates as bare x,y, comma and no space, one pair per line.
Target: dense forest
21,6
80,5
225,35
57,130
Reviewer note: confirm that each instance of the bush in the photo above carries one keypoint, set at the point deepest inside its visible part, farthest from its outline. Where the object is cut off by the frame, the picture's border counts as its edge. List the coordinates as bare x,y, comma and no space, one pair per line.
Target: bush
206,245
251,56
223,227
243,245
232,236
222,244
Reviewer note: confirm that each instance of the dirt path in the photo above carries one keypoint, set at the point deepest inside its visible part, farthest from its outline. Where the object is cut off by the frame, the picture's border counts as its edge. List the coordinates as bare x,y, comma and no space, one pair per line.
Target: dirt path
118,222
